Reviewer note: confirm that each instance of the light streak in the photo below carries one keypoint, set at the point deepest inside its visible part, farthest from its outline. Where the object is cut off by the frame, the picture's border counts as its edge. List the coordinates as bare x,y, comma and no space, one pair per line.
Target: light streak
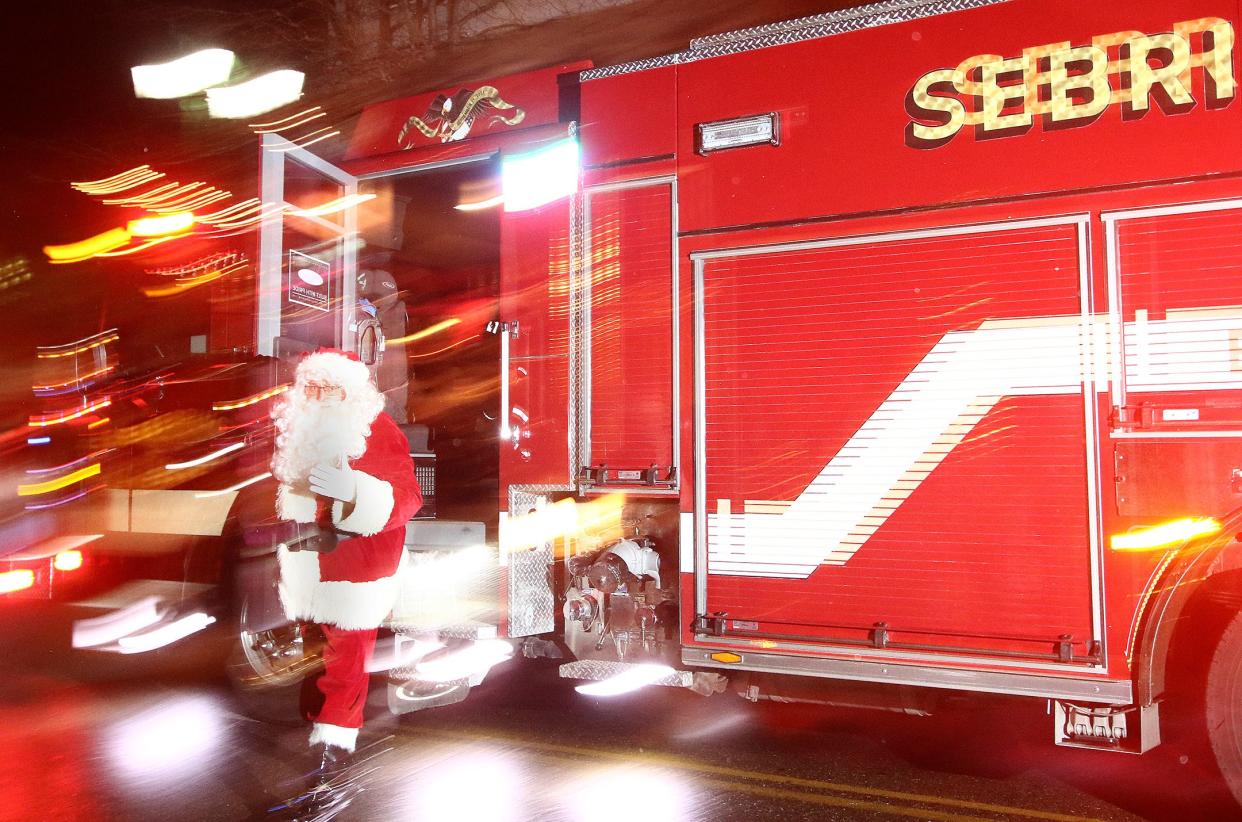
83,378
38,440
182,286
78,346
251,400
160,226
200,265
476,658
628,680
184,76
85,249
1165,534
42,506
52,419
298,141
221,492
560,519
426,332
100,630
165,634
203,199
17,580
262,94
113,180
139,199
99,422
448,347
245,205
66,465
137,176
333,206
194,463
141,247
266,211
177,194
37,488
314,112
479,205
333,133
67,561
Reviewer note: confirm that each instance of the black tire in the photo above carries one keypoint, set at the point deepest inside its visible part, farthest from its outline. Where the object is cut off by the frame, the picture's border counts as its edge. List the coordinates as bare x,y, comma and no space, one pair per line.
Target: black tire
1223,706
272,667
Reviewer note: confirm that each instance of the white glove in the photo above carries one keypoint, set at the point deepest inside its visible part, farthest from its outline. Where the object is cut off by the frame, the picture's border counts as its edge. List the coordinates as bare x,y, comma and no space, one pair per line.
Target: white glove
330,481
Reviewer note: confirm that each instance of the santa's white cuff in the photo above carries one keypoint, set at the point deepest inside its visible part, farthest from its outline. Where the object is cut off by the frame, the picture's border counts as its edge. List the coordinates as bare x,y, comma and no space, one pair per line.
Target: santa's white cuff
373,506
334,735
293,505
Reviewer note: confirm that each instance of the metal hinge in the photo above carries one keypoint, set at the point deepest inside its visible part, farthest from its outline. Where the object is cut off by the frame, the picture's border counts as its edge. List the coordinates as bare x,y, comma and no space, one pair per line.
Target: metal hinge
710,624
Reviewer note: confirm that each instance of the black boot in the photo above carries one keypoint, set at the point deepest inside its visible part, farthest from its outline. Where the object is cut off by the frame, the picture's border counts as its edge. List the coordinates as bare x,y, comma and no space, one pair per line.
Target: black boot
333,762
329,788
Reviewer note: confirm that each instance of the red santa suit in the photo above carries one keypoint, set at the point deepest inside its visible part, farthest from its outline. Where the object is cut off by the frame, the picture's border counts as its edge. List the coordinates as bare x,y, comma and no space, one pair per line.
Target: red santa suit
350,590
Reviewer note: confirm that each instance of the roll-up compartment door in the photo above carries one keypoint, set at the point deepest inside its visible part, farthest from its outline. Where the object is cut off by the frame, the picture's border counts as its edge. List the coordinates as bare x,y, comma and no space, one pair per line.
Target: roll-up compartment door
631,335
1176,304
1177,293
897,442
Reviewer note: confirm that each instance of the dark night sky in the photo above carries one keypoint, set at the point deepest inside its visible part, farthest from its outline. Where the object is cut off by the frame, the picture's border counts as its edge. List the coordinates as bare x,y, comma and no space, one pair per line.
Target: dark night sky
70,114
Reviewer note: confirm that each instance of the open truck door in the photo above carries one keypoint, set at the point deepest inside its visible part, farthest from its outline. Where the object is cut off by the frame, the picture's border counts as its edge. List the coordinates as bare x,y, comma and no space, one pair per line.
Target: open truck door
307,252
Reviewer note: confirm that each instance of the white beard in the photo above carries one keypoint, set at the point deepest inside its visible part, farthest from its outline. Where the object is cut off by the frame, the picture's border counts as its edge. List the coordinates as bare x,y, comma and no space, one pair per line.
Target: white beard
311,433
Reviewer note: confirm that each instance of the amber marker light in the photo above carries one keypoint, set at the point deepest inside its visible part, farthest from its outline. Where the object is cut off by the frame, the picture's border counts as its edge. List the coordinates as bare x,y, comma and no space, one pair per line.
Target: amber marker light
18,580
85,249
1165,534
726,656
162,226
67,561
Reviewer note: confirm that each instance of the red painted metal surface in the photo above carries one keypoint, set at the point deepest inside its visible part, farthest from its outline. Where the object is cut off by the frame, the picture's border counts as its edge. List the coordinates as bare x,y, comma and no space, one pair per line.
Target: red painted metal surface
802,348
535,290
843,107
631,328
629,117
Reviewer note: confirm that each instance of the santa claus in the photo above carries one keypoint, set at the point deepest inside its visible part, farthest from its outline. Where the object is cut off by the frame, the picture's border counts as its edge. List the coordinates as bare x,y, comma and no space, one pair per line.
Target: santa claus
343,466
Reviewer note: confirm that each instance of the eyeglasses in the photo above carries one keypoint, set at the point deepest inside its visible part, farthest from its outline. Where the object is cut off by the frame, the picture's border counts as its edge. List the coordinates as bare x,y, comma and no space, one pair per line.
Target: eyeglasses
321,390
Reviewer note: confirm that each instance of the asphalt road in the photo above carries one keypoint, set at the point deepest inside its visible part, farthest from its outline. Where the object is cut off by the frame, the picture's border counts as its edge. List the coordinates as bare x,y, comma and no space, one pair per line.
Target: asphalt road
83,738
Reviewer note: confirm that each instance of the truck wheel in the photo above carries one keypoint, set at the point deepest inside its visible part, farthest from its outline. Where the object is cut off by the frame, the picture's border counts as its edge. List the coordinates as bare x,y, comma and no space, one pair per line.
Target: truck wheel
1223,708
272,657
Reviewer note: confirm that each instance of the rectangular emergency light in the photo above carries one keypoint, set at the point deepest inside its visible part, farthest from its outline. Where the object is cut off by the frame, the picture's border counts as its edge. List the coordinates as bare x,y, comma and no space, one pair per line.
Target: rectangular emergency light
755,130
539,177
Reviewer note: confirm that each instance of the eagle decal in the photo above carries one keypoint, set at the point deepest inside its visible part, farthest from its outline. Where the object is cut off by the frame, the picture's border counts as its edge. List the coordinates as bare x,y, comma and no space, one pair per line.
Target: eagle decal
450,118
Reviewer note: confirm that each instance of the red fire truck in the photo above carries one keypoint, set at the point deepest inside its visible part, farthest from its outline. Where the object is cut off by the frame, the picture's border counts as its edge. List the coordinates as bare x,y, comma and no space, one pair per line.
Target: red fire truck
911,336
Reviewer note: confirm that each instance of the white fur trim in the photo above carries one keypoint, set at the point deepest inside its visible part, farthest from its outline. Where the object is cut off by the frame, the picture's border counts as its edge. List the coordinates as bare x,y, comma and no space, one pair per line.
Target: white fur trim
348,605
299,574
292,505
334,735
372,507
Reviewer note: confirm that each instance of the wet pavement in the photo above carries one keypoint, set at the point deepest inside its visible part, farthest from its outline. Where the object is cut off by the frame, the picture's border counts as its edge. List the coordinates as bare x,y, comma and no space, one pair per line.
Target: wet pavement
86,738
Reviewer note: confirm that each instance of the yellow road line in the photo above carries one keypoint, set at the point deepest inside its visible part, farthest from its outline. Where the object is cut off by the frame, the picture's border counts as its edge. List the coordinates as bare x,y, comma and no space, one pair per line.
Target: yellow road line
671,761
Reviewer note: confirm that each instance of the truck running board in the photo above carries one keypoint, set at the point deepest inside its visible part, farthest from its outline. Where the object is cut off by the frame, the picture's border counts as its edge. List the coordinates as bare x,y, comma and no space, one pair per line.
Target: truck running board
598,670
